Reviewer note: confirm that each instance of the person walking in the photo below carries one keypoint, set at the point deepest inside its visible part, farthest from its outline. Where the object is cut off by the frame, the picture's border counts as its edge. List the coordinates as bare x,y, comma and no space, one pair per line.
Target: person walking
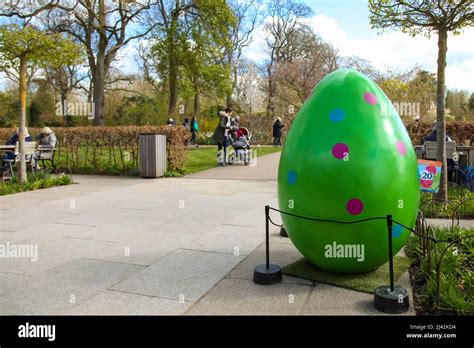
277,127
194,130
220,135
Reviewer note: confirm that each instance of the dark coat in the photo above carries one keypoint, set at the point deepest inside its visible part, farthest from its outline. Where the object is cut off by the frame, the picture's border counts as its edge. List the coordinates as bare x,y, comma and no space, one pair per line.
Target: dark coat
14,138
277,126
219,133
433,137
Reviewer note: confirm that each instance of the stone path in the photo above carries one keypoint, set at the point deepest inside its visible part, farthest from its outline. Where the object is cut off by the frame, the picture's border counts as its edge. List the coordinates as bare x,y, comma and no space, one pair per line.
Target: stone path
115,245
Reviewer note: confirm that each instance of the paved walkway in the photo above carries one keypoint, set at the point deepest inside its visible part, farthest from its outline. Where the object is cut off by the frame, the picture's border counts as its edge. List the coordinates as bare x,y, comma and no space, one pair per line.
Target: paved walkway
262,168
115,245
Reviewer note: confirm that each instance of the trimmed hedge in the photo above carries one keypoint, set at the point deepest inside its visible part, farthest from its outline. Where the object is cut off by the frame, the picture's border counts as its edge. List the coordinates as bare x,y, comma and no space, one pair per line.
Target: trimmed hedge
458,131
110,150
114,150
261,129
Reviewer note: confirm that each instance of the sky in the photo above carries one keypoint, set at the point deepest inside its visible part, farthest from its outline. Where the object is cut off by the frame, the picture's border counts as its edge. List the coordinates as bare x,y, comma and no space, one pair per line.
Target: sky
345,24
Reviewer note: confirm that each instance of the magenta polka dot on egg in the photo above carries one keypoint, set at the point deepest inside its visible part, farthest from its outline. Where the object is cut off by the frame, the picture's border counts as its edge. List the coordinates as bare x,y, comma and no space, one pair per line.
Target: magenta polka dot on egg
401,148
370,98
340,150
354,206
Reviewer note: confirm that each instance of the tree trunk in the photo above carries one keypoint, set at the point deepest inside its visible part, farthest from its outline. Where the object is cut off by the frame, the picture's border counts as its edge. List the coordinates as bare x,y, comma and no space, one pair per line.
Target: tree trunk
100,70
22,178
64,106
99,95
229,102
173,90
197,104
271,92
440,113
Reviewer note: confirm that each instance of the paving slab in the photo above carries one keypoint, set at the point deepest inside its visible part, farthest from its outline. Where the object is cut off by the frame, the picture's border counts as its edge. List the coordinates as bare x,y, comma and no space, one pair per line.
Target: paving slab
44,233
49,255
122,303
184,274
66,286
228,239
243,297
10,282
144,248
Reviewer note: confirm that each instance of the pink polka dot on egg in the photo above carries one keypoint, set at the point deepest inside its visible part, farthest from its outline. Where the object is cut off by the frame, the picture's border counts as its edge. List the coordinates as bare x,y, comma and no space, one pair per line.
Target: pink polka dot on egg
370,98
354,206
340,150
401,148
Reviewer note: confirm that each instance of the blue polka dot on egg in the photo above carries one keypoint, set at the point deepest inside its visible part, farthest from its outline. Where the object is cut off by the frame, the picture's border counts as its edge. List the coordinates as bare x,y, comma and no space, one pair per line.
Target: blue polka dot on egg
337,115
397,230
292,177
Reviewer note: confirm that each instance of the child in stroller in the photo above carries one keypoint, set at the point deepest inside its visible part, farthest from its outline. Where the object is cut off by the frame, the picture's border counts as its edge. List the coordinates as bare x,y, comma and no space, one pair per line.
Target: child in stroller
241,143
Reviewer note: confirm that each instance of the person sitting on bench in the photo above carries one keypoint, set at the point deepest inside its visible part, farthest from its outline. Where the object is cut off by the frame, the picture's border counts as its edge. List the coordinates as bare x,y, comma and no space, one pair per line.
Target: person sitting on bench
451,163
46,141
10,155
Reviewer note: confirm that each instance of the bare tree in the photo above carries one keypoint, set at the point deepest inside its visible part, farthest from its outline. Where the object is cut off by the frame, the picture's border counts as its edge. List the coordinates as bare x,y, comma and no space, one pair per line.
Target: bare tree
285,21
64,80
102,27
248,94
247,16
297,78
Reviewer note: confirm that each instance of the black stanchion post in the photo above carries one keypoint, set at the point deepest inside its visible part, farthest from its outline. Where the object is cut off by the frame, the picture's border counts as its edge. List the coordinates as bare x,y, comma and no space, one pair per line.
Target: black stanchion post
267,235
390,298
267,273
390,250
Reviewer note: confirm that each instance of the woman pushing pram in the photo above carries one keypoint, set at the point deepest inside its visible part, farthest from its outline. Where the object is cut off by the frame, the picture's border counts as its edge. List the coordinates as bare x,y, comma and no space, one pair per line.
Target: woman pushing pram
240,139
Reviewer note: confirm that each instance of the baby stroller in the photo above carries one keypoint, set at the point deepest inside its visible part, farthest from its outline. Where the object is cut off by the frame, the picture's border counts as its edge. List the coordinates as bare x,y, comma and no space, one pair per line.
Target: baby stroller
241,143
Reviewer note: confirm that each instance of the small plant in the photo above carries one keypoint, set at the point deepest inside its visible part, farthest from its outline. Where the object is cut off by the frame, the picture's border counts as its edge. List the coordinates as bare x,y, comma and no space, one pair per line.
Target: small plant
460,204
36,181
455,263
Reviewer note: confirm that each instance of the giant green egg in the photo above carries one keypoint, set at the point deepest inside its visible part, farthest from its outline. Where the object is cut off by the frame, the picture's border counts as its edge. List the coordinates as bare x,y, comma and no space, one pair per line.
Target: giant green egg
348,157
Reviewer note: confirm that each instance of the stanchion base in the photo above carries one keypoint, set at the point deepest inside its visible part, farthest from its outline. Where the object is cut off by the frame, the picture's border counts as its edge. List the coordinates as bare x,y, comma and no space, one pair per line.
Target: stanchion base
396,301
283,232
264,276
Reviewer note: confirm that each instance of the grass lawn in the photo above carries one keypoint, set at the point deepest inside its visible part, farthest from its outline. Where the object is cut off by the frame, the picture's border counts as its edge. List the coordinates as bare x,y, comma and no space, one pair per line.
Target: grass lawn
202,158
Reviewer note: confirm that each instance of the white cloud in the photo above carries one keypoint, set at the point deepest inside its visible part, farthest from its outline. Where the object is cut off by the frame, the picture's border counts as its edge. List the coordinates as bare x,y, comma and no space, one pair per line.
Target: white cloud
393,49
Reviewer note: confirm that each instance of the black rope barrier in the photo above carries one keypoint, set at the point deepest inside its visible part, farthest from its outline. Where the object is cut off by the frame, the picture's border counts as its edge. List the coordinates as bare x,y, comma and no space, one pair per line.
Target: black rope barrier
384,300
449,240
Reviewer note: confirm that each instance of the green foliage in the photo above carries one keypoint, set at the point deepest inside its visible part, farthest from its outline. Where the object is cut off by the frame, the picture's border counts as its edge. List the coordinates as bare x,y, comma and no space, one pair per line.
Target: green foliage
35,46
456,271
456,196
139,110
8,109
192,46
42,110
36,181
421,17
